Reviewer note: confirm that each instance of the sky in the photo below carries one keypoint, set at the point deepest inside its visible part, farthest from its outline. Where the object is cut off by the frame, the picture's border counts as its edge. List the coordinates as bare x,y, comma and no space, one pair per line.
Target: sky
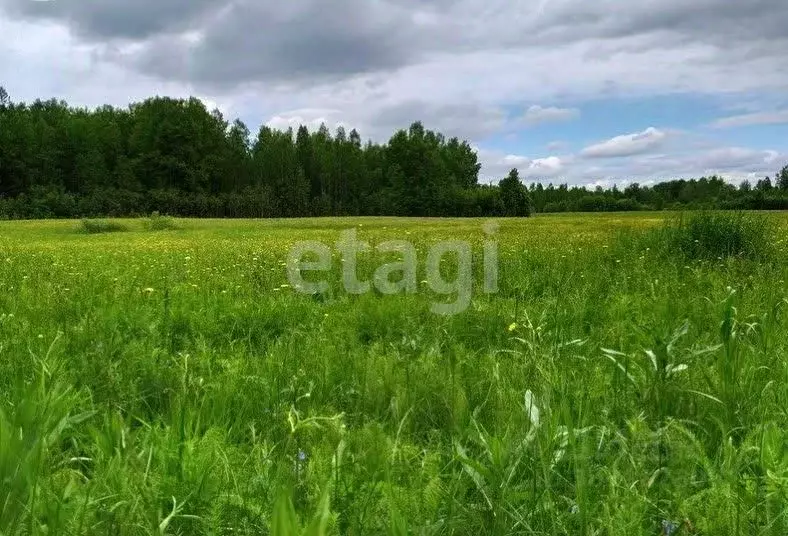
577,91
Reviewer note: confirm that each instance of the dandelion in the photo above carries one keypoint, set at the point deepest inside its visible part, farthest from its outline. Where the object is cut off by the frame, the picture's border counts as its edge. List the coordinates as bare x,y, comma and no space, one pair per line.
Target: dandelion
512,327
148,290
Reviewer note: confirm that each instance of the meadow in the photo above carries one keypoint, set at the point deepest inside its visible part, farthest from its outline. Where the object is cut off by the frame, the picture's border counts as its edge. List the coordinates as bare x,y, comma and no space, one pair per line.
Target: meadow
629,377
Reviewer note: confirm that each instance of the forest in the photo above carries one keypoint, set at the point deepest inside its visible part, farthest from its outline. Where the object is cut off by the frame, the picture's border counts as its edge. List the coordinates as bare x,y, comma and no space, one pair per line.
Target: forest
177,157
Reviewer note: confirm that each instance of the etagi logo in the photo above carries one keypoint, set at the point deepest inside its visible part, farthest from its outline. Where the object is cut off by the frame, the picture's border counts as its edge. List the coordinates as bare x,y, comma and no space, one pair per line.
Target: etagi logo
401,276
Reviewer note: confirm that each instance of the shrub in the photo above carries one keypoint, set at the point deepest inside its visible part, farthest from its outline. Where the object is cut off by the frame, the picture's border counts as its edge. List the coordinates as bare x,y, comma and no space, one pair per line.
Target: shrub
157,222
101,226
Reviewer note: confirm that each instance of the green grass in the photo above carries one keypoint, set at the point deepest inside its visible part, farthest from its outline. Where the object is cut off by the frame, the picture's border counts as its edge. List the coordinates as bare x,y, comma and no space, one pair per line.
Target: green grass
717,235
88,226
157,222
173,383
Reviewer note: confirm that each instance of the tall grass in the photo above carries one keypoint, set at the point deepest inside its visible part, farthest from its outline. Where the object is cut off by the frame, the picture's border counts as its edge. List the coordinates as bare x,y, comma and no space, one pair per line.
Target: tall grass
157,222
88,226
177,385
714,235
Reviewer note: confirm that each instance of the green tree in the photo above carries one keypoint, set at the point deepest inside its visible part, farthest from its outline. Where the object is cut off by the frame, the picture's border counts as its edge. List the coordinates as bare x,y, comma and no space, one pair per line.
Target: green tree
782,179
764,185
514,195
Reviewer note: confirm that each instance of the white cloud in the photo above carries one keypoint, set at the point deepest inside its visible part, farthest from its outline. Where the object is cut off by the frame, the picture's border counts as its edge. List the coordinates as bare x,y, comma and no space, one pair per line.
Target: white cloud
537,115
495,165
691,160
758,118
731,162
544,167
735,158
556,146
312,118
626,145
515,161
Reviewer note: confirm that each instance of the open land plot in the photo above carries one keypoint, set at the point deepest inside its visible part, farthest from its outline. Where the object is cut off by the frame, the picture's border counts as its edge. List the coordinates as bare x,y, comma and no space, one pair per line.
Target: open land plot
171,380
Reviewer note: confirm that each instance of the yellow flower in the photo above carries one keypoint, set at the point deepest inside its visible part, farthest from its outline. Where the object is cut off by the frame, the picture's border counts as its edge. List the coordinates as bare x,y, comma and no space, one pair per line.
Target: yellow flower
512,327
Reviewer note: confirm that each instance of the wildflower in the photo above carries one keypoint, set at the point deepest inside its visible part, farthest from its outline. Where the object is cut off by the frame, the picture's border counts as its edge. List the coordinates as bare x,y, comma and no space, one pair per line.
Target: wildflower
512,327
301,456
148,290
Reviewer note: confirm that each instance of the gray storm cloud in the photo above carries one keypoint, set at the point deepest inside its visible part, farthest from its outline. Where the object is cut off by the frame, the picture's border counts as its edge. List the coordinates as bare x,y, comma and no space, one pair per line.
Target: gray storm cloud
236,41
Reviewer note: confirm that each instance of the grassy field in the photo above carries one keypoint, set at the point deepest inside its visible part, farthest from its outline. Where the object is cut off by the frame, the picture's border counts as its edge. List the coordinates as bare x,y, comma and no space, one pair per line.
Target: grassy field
627,378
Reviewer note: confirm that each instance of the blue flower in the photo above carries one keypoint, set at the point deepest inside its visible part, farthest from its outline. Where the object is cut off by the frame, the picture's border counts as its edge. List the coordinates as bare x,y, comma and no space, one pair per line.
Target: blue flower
301,455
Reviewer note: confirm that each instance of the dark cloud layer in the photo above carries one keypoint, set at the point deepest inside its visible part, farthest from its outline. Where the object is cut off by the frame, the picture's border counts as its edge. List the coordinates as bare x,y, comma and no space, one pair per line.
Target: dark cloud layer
252,40
234,41
115,19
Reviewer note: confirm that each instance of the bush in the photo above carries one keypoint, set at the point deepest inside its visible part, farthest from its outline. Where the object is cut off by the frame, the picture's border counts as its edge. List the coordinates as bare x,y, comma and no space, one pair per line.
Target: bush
101,226
157,222
713,235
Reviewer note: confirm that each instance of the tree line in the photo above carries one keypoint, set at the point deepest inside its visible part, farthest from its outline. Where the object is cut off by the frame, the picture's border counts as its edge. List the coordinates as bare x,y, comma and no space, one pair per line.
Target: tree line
177,157
704,193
